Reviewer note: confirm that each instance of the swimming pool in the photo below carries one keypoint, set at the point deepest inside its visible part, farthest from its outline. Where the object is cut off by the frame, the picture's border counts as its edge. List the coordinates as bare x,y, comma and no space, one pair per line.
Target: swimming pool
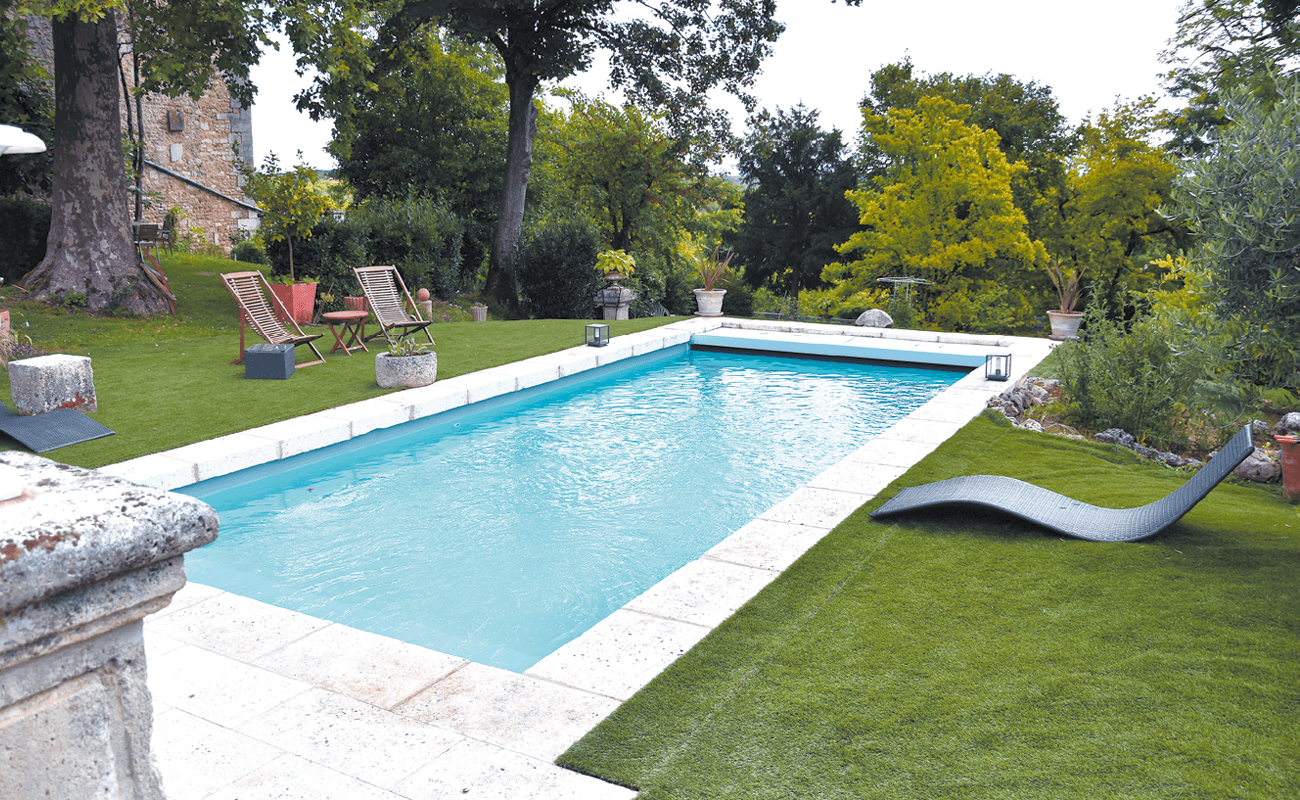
501,531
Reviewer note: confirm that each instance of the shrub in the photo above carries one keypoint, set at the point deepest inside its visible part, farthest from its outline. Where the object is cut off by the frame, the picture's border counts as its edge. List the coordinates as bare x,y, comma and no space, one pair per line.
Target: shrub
24,228
1141,377
250,252
739,300
328,256
418,235
557,272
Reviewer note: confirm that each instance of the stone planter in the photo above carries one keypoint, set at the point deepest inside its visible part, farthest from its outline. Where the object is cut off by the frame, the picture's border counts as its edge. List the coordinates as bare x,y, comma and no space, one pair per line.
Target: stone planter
1065,324
410,371
478,313
709,302
298,298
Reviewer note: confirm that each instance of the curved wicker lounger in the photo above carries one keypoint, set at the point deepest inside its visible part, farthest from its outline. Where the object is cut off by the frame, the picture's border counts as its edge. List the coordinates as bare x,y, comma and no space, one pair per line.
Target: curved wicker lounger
1071,517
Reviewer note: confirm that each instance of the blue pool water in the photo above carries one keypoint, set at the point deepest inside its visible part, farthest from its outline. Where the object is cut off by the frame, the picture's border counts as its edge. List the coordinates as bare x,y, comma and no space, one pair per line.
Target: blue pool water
501,531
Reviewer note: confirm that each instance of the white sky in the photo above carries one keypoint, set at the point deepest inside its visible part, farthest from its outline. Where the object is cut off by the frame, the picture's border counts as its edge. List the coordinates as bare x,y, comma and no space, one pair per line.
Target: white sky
1088,53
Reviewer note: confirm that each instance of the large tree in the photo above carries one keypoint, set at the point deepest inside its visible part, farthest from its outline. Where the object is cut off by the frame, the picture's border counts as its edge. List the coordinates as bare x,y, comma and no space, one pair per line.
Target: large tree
1221,44
941,211
1242,200
796,212
1030,127
431,121
667,61
90,249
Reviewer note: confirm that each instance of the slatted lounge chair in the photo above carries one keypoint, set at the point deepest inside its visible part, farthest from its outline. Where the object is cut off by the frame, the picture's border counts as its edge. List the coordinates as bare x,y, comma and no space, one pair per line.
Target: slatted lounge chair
1071,517
51,430
394,310
251,292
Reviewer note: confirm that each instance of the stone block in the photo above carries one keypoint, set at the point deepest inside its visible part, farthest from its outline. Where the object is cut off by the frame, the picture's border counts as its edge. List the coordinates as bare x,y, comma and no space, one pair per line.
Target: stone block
45,383
84,557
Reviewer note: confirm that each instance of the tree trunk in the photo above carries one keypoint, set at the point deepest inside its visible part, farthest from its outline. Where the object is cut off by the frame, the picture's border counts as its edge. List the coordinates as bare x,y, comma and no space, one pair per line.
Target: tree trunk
519,164
90,249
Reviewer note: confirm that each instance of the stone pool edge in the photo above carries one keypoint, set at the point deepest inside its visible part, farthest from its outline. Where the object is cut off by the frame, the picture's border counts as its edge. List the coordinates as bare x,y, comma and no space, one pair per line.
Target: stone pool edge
489,729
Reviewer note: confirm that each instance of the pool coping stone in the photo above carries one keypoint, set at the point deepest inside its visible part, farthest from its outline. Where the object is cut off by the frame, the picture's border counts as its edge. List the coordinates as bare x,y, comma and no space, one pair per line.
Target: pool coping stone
501,730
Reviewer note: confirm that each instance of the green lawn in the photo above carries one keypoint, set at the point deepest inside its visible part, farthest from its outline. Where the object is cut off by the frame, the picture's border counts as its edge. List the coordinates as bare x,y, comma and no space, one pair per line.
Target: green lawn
965,655
168,381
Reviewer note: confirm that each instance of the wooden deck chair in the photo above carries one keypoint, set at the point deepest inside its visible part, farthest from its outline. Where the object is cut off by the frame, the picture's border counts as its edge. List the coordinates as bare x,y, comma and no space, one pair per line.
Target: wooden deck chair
251,292
391,304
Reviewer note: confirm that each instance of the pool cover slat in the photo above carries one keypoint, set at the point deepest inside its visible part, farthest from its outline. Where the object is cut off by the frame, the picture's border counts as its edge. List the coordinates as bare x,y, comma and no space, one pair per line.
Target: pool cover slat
52,429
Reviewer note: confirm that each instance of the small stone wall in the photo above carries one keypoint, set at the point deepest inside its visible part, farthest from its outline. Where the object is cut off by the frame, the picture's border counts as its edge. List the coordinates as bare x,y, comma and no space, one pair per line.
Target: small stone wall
84,557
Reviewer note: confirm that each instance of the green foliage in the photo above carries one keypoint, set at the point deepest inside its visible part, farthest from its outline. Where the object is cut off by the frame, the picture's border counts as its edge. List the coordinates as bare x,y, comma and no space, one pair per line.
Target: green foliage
26,102
616,261
250,251
408,347
942,211
417,235
557,272
1222,44
1242,199
796,176
1141,376
24,228
1106,221
420,236
430,120
1031,130
290,202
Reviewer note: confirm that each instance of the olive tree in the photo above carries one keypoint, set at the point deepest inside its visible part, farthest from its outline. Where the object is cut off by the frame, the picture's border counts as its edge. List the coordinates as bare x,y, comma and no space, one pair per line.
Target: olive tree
1242,200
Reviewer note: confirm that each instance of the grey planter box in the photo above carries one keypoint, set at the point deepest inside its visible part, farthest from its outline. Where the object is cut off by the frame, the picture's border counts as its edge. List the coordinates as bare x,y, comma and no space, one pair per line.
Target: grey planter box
268,361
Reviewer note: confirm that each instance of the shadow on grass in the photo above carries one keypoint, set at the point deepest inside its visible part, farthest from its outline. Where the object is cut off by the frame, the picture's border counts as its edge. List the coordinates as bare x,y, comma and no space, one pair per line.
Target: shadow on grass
974,655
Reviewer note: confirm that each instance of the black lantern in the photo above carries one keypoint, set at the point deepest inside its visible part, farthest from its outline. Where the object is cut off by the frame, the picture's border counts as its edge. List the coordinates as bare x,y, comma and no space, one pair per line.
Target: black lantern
997,367
597,335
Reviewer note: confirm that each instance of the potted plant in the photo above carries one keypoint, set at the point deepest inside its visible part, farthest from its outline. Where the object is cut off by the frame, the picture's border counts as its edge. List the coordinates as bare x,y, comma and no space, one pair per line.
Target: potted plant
407,363
1065,320
712,269
297,297
615,264
291,205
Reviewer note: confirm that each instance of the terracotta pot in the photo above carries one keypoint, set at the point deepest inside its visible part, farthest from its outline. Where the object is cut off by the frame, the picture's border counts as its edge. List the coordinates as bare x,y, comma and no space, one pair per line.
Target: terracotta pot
1065,324
410,371
1290,467
709,302
298,298
478,313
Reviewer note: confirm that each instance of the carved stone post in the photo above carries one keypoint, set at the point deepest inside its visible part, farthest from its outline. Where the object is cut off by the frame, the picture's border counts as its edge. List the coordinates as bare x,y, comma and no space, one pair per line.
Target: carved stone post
83,558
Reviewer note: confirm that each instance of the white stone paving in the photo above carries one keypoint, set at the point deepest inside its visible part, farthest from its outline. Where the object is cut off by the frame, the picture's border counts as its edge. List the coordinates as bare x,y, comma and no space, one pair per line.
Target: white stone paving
252,701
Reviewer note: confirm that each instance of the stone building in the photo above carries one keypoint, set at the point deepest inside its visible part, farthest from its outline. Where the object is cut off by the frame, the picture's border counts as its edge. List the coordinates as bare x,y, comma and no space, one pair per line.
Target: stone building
189,153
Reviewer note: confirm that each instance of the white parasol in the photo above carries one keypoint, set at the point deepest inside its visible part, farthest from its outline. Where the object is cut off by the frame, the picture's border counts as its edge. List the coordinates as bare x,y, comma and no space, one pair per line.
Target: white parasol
15,140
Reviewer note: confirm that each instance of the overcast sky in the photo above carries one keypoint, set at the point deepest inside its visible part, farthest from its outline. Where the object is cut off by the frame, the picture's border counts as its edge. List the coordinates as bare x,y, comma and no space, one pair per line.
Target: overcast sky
1088,53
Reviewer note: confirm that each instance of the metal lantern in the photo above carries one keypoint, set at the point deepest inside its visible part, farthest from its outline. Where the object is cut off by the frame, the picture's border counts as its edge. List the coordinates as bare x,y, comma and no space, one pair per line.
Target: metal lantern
597,335
997,367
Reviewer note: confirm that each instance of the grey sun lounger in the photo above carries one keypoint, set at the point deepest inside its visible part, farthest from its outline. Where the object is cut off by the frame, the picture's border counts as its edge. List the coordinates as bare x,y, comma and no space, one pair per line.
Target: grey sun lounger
51,430
1071,517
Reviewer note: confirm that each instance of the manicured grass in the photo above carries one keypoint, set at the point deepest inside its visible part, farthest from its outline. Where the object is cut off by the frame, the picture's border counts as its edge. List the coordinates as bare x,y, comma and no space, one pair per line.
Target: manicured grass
966,655
168,381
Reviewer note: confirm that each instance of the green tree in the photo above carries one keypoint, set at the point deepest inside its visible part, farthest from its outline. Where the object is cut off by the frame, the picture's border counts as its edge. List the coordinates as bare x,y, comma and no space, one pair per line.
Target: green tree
1221,44
942,211
626,171
290,201
667,61
1030,127
90,248
432,121
1105,222
796,211
25,101
1243,203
